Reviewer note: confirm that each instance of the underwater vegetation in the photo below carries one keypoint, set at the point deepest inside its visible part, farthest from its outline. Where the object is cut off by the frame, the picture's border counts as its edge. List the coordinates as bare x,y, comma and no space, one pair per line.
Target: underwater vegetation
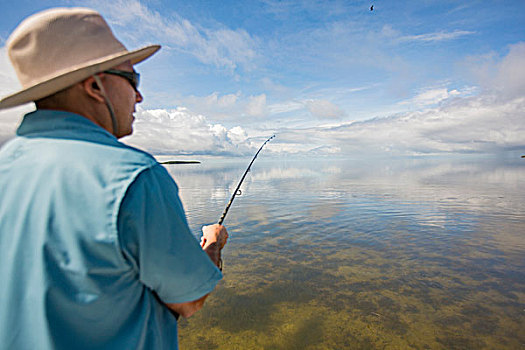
429,256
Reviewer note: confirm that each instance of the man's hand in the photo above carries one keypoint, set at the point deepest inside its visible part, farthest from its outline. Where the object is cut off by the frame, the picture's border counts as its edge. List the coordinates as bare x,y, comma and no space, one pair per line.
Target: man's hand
213,239
214,233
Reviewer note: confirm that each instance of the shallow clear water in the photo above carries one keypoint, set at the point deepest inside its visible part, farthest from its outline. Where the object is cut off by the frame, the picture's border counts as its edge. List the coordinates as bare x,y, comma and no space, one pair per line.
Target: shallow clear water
363,254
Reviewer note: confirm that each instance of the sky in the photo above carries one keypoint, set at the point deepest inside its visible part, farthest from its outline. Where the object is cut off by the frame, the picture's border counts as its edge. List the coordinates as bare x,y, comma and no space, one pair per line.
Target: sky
329,78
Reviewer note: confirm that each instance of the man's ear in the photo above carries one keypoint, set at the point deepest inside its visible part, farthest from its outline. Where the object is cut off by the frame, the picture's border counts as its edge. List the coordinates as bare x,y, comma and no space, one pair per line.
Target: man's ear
92,89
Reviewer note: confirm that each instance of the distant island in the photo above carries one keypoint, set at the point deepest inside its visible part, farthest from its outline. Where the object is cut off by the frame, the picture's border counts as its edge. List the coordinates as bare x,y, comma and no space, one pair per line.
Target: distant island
180,162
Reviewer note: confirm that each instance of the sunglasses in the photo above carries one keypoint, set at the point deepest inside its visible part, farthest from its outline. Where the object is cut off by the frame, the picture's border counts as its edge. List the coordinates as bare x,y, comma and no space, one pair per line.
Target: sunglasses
132,77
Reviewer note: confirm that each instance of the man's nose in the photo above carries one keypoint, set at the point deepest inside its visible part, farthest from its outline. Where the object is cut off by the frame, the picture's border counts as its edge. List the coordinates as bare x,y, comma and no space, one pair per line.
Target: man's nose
138,96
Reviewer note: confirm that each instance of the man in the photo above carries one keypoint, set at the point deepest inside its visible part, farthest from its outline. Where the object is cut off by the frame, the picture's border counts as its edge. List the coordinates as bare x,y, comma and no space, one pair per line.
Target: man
95,250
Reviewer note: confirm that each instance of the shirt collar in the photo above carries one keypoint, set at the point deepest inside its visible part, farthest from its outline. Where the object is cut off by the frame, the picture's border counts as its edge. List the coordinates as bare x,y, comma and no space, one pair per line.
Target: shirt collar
61,124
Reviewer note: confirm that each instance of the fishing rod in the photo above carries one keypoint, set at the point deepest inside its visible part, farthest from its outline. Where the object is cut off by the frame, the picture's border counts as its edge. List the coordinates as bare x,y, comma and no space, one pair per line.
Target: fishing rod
237,190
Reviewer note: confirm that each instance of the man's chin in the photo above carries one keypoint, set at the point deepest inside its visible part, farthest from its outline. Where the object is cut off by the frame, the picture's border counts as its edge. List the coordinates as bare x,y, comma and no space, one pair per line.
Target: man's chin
125,133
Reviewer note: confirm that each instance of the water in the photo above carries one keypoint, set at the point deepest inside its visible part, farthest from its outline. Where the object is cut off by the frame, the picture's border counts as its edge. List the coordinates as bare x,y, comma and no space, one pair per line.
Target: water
363,254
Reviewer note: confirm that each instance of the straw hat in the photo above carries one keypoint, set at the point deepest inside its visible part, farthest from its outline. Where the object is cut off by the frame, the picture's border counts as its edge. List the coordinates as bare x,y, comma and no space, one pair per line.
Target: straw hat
57,48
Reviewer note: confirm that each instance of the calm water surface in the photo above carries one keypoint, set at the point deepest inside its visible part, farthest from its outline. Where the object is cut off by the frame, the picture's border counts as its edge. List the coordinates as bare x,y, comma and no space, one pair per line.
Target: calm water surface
363,254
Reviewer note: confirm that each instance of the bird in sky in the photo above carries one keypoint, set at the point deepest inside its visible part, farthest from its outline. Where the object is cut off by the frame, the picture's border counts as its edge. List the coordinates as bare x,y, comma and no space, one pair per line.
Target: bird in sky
372,8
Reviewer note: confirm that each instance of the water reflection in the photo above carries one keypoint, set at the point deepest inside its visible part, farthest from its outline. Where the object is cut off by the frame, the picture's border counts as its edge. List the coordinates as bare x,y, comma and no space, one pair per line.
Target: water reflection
344,254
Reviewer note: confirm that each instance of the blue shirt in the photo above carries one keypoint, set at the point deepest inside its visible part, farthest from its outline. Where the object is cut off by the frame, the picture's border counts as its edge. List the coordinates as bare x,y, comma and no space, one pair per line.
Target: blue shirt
92,236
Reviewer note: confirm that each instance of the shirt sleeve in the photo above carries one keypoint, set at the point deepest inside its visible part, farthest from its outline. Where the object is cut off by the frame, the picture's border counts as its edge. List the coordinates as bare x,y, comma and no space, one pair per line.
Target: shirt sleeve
155,238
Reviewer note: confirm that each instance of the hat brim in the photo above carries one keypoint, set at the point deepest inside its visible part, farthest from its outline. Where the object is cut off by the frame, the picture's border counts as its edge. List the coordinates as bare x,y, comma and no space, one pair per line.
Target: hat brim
74,75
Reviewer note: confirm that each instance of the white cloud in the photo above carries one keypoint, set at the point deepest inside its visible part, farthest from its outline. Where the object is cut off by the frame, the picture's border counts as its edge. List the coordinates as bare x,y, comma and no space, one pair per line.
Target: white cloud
276,88
8,80
216,101
9,118
323,109
222,47
511,71
503,77
228,107
180,131
237,135
284,107
256,106
491,121
430,37
430,97
474,124
388,31
324,150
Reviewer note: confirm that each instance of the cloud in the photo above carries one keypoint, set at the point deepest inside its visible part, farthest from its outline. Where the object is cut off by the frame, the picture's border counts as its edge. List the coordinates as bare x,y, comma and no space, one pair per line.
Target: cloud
8,80
222,47
430,97
285,107
442,121
430,37
256,106
459,122
474,124
229,106
215,100
504,77
323,109
179,131
9,118
276,88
